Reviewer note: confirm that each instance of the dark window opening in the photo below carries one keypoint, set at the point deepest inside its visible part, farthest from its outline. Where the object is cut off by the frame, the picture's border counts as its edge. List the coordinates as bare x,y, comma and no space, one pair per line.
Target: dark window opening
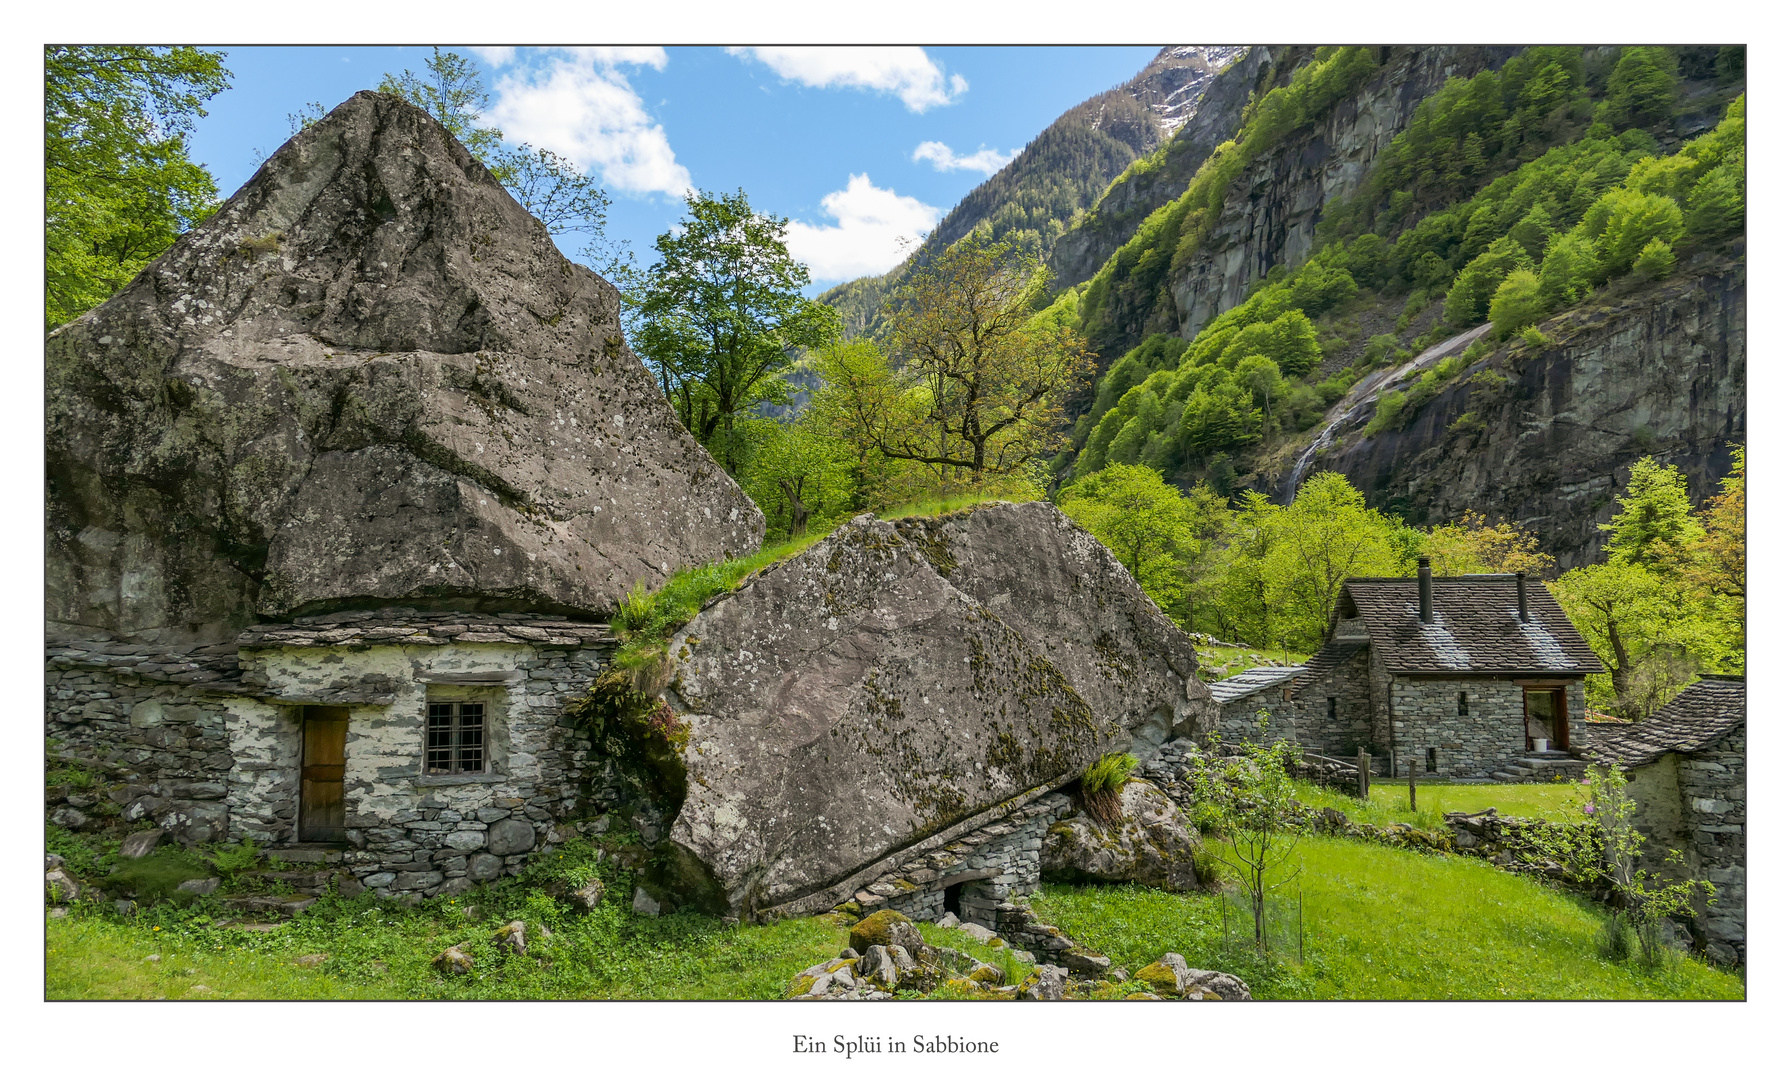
1331,708
1430,759
456,738
954,899
1461,704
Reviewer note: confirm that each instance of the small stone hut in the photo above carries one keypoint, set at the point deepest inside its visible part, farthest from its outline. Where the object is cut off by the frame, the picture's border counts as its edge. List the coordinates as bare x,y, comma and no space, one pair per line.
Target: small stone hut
1475,676
416,752
1687,769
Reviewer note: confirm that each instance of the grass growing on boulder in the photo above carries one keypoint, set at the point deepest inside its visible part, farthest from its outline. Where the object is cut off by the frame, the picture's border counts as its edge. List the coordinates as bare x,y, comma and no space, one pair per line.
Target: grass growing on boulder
1463,930
1101,784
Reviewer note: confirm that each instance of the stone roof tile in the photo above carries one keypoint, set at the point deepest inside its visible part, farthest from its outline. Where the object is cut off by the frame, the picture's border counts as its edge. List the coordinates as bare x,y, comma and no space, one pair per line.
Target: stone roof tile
1474,626
1703,712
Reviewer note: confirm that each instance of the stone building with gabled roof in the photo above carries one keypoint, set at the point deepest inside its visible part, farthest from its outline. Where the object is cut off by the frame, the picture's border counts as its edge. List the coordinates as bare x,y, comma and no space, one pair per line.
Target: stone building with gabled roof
1687,769
1479,676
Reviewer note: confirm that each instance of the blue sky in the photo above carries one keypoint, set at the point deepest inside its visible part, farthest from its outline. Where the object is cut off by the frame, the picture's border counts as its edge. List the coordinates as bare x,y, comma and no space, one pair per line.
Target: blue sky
856,146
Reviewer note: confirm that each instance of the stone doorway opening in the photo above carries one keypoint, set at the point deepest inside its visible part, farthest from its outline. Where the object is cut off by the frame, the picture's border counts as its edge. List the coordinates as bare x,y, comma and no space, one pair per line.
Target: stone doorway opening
954,899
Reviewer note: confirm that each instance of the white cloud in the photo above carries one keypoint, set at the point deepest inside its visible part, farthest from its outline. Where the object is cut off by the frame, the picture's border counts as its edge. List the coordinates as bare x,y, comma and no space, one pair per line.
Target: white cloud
905,71
986,162
873,224
495,55
580,106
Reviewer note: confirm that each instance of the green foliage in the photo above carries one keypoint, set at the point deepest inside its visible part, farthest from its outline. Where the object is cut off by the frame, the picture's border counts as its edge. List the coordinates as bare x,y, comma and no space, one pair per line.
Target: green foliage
1642,87
1653,527
1253,803
234,860
720,314
451,90
1471,295
119,186
156,877
1102,783
799,474
1656,261
1516,304
1154,530
1389,409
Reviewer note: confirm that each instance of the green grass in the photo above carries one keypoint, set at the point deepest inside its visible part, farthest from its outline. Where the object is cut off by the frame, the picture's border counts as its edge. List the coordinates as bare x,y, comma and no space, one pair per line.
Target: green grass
648,617
381,951
1388,801
1384,923
1239,660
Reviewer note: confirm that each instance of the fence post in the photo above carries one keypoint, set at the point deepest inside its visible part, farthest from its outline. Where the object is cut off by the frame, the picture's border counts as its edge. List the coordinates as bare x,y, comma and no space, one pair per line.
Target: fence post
1411,774
1362,771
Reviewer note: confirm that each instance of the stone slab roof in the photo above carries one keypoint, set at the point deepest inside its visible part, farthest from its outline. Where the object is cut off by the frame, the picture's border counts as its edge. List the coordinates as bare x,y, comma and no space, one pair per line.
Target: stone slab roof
1245,683
406,626
1327,659
189,664
1474,627
1703,712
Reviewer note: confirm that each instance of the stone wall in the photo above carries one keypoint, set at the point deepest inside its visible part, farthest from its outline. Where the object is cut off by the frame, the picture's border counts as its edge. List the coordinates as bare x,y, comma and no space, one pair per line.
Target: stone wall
215,763
1238,720
1426,715
116,704
1696,804
1353,726
989,867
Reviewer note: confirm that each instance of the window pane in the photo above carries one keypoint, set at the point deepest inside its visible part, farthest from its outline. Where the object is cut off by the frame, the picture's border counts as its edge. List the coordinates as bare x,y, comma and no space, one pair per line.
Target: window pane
472,737
439,740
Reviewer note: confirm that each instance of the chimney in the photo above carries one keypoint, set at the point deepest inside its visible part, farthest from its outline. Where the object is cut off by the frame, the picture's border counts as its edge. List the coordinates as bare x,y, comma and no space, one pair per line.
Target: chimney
1424,588
1523,599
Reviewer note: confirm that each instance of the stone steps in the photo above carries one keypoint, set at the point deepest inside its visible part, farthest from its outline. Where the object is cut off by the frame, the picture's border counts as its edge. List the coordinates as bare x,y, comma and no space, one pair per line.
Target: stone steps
280,905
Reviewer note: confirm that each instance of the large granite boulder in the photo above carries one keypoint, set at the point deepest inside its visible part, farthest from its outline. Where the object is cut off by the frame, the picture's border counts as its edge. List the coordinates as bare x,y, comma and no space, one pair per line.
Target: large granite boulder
369,377
900,680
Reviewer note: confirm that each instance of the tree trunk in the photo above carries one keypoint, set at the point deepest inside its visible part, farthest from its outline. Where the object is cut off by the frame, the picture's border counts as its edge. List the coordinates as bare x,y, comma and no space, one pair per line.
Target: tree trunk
798,511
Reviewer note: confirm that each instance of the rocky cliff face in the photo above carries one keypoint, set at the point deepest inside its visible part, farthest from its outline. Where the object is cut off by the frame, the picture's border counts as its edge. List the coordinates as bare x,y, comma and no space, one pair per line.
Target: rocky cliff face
899,679
1550,441
369,377
1270,213
1215,113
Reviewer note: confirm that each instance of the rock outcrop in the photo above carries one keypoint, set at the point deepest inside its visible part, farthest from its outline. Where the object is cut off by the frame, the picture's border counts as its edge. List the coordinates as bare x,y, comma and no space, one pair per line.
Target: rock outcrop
1547,436
1150,844
1270,212
901,680
369,377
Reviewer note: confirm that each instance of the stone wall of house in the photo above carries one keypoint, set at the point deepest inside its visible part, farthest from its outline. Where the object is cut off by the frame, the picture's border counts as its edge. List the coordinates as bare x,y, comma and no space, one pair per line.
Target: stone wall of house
135,708
1696,804
1714,781
991,866
414,833
1426,716
1238,720
1353,725
212,764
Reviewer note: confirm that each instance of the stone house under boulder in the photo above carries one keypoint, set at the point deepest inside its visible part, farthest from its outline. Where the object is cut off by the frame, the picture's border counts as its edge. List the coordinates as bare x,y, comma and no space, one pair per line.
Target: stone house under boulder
1479,676
1687,770
417,753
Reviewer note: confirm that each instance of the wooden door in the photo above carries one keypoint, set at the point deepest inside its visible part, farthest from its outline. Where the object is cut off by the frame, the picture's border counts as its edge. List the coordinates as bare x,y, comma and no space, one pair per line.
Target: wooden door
320,773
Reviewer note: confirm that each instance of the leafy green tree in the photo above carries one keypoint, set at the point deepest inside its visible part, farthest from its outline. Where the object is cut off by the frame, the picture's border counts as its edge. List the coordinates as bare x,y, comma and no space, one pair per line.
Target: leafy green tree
721,314
1570,271
1532,231
1327,534
1257,811
1219,417
1630,221
1260,376
1517,303
1653,527
1475,546
1650,634
1642,87
1655,262
1473,290
119,186
985,381
798,473
1716,209
1149,525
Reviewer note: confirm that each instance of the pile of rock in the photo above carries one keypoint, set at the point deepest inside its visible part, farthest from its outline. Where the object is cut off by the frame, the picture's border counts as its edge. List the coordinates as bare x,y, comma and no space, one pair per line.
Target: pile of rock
885,956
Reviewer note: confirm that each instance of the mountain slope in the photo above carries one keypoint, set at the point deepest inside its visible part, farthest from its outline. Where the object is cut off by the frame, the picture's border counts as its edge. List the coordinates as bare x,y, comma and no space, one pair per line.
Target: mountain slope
1034,198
